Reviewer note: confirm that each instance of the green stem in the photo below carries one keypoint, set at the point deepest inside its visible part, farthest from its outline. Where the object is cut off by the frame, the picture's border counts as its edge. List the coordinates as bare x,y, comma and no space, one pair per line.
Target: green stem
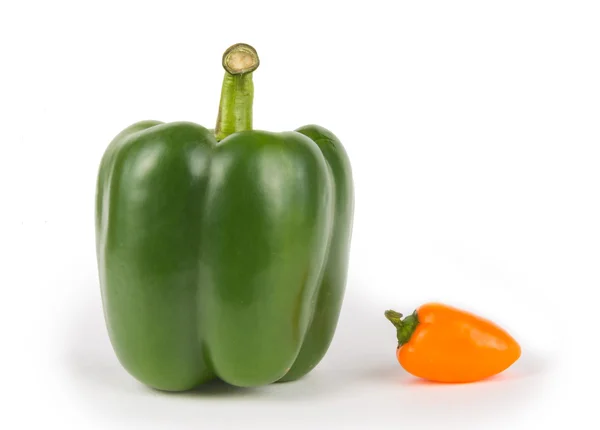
237,92
404,327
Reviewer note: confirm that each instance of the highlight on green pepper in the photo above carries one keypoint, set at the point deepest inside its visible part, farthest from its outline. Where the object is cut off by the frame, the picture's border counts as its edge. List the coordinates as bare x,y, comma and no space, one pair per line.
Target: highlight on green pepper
223,254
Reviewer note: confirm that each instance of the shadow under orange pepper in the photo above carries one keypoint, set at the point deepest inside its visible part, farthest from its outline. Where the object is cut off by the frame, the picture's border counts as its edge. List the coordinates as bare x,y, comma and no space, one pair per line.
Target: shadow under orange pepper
441,343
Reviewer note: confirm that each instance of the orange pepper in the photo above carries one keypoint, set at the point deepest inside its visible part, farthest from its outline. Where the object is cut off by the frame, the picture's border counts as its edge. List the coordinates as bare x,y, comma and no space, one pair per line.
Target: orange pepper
441,343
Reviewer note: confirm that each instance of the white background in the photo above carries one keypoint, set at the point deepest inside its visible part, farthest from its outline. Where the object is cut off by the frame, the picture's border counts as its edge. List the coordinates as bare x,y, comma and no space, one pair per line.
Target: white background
473,129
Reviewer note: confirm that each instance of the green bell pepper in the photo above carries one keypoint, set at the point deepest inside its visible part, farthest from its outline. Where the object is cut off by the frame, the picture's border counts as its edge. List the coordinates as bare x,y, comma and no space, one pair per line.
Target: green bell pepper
222,254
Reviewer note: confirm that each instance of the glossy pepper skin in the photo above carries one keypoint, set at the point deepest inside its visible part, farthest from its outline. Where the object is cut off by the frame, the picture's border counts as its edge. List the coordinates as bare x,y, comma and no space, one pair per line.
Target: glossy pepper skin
222,257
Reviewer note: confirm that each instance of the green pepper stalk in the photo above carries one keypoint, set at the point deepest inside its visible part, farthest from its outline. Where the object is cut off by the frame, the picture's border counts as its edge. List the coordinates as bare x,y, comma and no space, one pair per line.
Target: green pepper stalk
237,92
404,327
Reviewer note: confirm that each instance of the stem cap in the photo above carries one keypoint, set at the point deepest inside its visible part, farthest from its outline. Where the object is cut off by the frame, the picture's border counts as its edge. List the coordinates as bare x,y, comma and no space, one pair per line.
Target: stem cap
404,327
240,58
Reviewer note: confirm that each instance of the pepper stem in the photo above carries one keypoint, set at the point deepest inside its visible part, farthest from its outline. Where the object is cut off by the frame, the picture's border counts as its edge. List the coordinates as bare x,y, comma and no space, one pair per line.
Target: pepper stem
404,327
237,91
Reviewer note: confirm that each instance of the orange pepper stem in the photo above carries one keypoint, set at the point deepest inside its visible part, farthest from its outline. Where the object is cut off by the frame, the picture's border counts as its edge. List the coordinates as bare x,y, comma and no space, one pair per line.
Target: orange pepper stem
404,327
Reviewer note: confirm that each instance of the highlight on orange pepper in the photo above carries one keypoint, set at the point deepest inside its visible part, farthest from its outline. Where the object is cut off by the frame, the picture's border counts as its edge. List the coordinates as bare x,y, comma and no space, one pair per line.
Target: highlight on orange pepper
441,343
